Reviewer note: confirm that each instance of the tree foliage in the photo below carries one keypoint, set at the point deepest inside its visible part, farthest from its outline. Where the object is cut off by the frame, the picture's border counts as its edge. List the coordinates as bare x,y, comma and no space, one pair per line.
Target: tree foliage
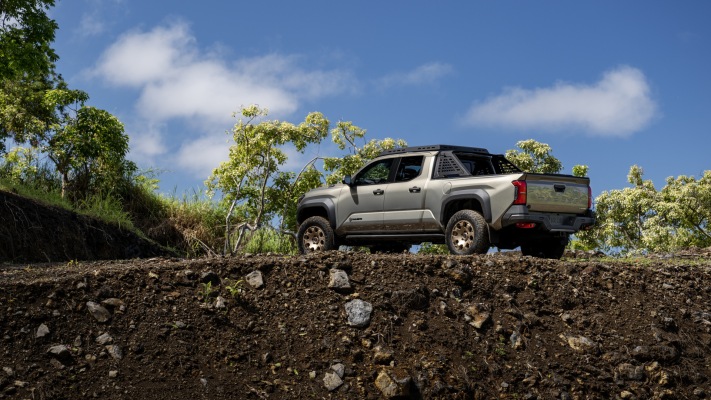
536,157
348,137
26,68
26,34
642,219
251,180
87,145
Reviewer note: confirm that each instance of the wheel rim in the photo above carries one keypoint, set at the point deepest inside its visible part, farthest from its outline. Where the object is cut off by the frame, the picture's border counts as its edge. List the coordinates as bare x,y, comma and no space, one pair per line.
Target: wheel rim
314,239
462,235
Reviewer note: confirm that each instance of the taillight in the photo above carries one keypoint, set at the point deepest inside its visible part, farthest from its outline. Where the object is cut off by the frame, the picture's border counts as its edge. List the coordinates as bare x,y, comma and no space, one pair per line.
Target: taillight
589,197
520,196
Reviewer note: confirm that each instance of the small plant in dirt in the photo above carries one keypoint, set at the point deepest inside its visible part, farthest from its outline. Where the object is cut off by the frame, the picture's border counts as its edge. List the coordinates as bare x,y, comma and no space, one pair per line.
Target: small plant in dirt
236,289
206,291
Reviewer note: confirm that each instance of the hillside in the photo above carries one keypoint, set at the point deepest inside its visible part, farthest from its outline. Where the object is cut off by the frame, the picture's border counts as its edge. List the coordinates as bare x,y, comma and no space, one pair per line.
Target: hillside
31,231
495,326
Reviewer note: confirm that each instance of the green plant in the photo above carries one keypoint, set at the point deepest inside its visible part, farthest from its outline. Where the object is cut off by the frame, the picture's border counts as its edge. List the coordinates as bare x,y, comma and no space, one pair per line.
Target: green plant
206,291
236,288
268,240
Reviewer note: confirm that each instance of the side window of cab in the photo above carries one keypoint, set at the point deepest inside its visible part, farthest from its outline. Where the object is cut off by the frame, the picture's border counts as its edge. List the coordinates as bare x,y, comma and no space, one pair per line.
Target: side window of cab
409,168
375,173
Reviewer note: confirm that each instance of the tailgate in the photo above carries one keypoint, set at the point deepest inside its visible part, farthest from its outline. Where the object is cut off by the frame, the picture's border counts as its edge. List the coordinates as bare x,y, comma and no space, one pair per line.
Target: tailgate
557,193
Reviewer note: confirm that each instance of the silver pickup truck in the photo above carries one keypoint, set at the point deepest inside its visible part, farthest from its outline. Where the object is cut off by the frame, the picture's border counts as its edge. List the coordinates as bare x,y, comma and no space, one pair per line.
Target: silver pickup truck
462,196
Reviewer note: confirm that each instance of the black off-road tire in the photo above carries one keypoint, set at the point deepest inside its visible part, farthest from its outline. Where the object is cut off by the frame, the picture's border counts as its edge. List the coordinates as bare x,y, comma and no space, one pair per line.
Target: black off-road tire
467,233
315,234
552,248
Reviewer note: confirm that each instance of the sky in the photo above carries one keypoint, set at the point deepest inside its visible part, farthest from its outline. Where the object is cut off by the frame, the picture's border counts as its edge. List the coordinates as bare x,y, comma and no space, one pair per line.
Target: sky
608,84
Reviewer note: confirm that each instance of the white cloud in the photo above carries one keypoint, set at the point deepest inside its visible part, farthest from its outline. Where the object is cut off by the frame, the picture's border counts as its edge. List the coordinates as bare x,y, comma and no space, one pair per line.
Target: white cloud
617,105
147,145
424,74
202,155
179,83
177,80
97,17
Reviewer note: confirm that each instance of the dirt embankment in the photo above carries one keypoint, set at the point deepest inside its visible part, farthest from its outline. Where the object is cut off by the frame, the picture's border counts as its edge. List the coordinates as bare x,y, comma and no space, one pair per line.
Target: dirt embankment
34,232
343,325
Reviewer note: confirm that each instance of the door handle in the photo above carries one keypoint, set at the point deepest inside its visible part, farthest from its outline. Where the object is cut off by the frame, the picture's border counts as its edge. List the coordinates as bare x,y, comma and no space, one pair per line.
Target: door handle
415,189
378,192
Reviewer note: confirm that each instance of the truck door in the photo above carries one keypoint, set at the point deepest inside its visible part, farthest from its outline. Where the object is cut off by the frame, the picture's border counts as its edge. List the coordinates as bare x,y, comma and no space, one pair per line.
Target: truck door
405,196
360,207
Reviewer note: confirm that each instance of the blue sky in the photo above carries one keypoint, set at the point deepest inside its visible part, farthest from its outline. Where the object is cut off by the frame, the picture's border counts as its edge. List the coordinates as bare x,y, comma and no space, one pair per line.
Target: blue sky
608,84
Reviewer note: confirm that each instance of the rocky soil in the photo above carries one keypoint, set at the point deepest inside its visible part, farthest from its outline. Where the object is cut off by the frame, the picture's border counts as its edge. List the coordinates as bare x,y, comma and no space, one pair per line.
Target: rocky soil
358,326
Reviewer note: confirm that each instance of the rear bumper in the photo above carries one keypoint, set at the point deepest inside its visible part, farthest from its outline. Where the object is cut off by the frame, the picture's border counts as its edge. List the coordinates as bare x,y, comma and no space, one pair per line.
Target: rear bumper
551,222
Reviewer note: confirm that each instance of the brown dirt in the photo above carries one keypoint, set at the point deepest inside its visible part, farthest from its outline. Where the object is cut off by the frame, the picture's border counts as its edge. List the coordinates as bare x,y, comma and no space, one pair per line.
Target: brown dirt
494,326
557,329
34,232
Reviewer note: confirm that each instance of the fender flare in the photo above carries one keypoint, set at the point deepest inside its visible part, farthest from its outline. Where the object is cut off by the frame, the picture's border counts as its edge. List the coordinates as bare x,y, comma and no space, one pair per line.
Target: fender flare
480,195
317,202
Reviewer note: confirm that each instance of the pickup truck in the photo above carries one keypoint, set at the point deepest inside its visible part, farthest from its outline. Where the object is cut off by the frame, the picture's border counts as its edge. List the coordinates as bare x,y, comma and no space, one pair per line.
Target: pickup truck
465,197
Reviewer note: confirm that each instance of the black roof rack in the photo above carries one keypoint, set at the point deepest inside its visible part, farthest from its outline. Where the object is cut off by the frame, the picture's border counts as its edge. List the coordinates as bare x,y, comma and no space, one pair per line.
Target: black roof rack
434,147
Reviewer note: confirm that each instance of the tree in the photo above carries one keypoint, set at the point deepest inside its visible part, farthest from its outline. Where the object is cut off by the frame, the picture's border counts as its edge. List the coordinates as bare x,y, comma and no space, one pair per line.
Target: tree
24,113
685,205
87,145
250,180
26,68
536,157
346,136
26,33
642,219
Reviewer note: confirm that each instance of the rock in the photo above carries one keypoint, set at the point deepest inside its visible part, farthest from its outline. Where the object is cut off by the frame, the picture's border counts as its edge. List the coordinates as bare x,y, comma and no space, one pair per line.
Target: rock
220,303
98,312
339,369
8,371
658,353
413,299
631,372
77,341
104,339
358,312
460,276
332,381
113,374
115,351
581,344
339,280
382,356
254,279
477,315
113,303
516,341
60,353
567,318
210,277
42,331
394,383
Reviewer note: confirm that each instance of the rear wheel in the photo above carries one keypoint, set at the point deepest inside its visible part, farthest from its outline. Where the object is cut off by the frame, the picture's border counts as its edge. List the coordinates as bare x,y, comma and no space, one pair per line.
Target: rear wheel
552,248
315,234
467,233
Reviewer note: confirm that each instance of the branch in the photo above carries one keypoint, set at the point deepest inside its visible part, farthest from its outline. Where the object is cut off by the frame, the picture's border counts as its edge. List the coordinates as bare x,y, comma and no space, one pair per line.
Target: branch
293,185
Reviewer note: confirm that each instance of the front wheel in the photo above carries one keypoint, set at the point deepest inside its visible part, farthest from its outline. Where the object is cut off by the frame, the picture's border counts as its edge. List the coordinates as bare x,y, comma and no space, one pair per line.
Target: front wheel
467,233
315,234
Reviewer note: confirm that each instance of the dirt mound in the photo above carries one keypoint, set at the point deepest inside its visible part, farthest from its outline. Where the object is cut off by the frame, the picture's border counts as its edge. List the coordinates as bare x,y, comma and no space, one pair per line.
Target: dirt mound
34,232
344,325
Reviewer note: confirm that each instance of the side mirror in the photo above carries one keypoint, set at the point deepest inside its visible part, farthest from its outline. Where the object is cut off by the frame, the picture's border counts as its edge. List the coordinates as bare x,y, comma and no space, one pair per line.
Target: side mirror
347,180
